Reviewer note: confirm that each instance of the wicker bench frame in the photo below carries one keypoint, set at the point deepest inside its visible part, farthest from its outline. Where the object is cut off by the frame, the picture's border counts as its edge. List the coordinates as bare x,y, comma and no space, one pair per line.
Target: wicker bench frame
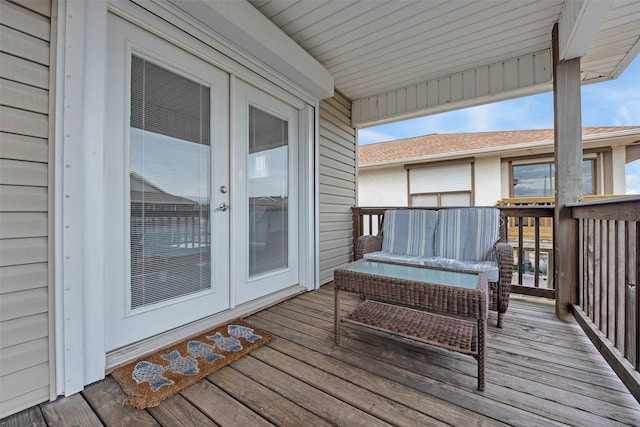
499,291
448,317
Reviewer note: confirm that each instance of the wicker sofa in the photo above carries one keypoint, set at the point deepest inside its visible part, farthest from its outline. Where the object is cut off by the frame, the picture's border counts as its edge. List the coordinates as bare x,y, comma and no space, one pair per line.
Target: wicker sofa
457,238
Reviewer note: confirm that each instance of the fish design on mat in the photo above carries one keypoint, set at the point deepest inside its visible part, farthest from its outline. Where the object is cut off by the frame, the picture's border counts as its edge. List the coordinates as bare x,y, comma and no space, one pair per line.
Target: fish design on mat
244,332
181,365
150,373
224,343
197,349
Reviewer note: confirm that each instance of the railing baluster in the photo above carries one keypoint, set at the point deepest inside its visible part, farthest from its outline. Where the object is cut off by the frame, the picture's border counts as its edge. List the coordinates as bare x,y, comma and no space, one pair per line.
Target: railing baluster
536,242
632,303
620,285
594,259
611,282
520,249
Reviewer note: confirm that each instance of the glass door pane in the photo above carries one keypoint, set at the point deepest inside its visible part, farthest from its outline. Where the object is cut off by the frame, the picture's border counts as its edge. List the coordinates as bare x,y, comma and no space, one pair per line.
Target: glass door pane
170,174
268,185
265,201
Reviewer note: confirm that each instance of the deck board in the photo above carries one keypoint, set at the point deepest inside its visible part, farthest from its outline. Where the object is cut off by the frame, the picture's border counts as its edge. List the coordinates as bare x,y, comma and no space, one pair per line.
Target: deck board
264,401
223,409
107,400
539,371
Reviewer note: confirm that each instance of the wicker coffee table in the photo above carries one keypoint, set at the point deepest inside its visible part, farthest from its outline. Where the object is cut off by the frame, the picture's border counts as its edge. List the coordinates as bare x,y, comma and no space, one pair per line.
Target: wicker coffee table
444,308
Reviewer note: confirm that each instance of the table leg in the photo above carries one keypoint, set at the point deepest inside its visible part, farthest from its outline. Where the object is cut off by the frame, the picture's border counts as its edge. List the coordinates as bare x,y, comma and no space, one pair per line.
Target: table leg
336,315
481,352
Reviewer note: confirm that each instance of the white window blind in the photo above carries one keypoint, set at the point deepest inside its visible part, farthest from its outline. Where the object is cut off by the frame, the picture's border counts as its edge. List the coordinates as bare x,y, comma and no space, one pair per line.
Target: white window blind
438,179
169,185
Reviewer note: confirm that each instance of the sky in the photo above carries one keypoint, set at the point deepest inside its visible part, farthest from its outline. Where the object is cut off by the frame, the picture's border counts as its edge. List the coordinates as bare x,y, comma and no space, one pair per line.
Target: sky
610,103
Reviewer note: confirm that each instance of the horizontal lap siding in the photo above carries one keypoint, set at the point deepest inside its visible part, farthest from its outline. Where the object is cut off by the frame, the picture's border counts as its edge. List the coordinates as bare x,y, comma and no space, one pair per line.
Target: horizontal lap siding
25,29
337,184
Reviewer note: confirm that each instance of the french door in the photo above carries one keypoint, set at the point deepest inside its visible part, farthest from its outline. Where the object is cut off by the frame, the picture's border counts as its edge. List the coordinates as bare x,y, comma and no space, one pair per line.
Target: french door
265,201
202,200
167,178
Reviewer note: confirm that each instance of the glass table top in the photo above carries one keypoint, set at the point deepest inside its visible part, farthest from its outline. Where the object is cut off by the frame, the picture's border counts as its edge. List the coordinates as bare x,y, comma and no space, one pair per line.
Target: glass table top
418,274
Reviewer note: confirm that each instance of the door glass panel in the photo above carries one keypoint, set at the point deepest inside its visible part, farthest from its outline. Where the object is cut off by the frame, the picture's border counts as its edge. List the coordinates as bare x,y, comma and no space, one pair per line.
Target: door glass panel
268,192
169,184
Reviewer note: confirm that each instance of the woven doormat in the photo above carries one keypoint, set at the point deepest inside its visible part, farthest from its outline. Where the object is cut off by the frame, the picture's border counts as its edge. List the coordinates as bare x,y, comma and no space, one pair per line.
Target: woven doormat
151,379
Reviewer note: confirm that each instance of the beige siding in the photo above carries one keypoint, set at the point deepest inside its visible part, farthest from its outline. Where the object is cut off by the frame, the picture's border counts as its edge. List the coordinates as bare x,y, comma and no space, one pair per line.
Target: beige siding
337,184
523,75
25,34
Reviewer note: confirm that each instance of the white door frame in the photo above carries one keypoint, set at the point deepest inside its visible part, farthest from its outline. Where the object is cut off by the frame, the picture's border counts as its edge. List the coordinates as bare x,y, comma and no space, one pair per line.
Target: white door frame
125,325
78,318
246,288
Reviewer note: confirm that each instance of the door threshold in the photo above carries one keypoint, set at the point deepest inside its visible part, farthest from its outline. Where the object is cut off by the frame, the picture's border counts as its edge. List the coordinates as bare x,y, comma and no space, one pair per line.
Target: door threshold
130,352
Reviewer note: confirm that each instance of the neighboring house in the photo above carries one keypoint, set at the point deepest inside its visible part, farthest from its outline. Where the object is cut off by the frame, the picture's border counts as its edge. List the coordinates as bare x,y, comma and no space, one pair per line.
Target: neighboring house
483,168
231,112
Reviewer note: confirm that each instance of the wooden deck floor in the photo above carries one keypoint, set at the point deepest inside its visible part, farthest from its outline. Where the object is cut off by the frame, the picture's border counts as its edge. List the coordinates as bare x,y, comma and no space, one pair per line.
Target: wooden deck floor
540,372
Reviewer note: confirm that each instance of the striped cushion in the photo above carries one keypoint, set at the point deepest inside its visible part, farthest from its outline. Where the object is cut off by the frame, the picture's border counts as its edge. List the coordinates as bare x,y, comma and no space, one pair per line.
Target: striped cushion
467,234
409,231
387,256
490,268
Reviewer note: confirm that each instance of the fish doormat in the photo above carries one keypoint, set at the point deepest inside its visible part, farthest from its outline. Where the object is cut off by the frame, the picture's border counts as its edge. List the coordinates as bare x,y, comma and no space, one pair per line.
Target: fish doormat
151,379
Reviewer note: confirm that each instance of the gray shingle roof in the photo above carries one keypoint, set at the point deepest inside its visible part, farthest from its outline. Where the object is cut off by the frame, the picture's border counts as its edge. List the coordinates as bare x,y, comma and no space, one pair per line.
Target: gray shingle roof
438,144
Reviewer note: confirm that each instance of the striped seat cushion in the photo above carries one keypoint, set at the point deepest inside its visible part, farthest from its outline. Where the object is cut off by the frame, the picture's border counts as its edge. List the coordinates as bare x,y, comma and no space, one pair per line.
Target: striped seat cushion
387,256
467,234
490,268
409,232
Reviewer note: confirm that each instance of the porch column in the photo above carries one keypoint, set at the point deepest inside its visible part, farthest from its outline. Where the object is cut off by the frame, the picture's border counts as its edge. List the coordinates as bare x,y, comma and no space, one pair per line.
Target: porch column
568,175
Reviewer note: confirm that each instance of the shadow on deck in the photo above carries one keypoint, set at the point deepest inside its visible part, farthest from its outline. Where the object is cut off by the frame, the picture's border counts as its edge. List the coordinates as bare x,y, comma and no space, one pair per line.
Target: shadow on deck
539,371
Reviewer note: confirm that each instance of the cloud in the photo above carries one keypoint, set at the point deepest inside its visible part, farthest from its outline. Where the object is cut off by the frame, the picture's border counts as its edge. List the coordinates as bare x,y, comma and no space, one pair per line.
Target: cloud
614,102
371,136
632,184
481,118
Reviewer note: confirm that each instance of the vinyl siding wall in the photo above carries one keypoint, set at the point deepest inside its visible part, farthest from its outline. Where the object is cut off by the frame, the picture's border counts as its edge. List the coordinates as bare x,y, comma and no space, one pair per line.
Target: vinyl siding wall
25,36
337,184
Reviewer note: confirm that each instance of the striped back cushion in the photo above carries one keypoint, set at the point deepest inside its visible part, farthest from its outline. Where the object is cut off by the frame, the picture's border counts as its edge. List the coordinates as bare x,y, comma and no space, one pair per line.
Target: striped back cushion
409,231
467,234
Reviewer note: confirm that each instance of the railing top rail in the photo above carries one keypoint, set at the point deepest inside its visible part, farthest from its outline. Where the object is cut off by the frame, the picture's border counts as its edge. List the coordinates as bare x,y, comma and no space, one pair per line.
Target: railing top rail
626,210
530,211
618,200
542,211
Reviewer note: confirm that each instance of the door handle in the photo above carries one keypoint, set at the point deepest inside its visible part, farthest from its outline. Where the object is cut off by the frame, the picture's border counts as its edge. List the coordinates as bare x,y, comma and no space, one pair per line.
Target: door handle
223,207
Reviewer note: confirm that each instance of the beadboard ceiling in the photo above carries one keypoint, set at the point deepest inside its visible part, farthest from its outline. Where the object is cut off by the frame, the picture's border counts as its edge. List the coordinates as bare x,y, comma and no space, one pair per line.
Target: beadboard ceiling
372,47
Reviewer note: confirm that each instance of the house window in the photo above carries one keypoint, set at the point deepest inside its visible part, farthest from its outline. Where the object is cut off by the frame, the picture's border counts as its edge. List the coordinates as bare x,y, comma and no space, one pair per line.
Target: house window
538,179
446,185
462,198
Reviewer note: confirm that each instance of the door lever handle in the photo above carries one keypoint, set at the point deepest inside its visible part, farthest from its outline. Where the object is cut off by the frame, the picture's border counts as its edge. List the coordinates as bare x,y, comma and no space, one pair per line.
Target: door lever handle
223,207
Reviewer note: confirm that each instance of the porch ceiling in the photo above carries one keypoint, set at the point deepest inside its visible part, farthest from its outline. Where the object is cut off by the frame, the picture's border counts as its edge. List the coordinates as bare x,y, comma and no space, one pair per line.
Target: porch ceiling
377,48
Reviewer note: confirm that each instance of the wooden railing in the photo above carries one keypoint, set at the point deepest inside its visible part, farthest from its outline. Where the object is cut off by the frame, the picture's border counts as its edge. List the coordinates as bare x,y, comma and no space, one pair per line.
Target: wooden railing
608,252
608,301
532,242
530,231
